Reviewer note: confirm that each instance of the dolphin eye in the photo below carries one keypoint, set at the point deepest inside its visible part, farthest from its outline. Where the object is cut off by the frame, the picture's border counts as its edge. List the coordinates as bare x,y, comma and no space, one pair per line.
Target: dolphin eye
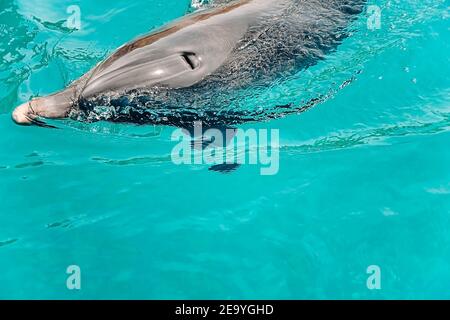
191,59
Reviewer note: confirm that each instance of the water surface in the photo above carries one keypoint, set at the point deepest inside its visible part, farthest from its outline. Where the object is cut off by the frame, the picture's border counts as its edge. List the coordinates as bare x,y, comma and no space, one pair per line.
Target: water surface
364,177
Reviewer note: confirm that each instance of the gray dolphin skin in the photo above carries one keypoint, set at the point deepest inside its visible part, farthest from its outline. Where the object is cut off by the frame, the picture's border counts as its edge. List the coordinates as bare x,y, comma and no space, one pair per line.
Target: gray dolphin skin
187,70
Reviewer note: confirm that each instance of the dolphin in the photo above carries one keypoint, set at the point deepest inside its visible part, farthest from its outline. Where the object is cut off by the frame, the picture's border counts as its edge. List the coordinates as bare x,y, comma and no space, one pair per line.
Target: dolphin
189,70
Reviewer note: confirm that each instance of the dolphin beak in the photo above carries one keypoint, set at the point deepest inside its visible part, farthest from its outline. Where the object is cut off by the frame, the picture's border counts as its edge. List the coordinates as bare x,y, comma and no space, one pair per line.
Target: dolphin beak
55,106
26,115
22,114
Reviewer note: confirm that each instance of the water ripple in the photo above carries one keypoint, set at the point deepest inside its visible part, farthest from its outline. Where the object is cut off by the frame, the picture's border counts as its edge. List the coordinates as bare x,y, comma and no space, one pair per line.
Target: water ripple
30,164
134,161
351,139
8,242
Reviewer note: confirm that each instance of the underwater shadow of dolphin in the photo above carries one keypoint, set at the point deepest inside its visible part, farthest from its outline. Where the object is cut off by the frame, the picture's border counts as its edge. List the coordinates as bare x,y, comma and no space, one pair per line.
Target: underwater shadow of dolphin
188,69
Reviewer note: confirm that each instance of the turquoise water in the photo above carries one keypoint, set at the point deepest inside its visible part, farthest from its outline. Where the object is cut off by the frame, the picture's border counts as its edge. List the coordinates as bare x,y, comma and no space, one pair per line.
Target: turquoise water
364,177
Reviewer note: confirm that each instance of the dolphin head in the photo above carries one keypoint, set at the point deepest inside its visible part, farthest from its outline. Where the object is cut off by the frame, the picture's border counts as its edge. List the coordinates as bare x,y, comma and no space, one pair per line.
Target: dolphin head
180,55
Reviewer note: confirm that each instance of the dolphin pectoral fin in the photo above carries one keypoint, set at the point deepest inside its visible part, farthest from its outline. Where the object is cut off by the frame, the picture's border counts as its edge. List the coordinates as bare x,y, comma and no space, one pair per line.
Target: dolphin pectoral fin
225,167
201,143
56,106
